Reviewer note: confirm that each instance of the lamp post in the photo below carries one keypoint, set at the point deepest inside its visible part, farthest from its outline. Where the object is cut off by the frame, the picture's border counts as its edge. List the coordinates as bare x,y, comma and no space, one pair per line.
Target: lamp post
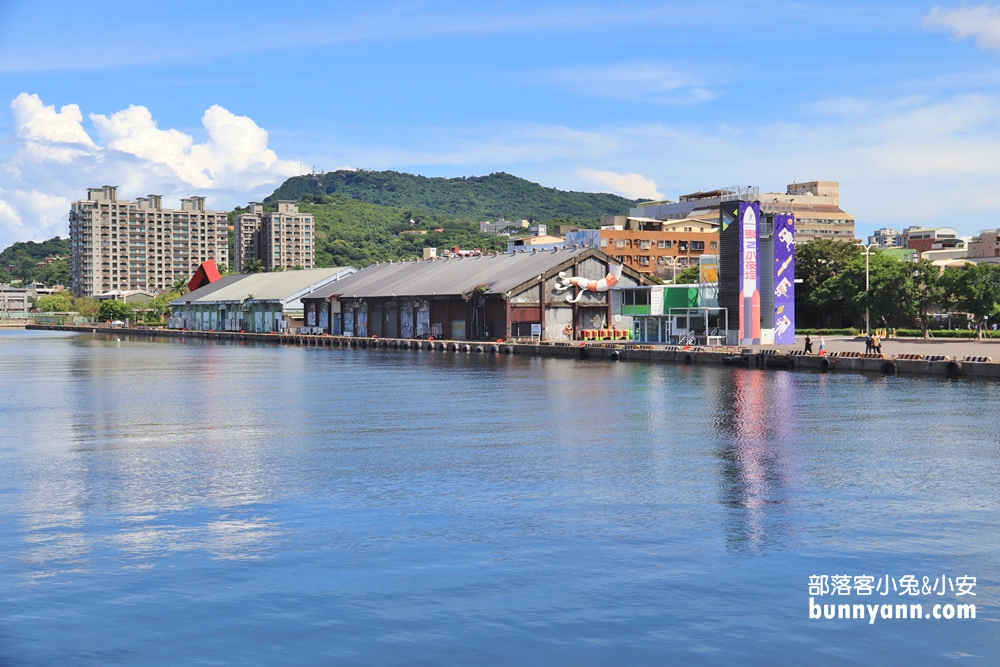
868,327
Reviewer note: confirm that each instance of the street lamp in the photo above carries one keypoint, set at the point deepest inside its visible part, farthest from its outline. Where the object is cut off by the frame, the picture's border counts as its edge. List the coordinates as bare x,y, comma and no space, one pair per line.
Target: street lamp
868,327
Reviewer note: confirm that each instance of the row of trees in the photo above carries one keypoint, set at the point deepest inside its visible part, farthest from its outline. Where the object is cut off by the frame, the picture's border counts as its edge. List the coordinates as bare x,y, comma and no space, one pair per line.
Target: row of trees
900,293
155,310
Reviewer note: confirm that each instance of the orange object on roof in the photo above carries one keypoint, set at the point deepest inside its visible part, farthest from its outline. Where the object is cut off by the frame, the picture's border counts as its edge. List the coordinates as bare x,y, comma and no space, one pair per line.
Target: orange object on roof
207,273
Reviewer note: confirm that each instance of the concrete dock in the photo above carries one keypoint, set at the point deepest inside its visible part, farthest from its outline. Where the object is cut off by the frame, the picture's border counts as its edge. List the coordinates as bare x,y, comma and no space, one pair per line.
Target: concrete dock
910,363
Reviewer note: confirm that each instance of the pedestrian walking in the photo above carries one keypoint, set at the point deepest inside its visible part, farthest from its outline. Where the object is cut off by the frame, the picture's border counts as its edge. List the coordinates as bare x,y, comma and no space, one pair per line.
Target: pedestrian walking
822,345
809,345
868,342
877,344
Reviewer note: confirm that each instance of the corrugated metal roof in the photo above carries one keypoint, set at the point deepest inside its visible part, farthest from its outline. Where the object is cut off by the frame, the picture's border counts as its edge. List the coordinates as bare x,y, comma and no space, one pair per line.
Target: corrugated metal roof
278,286
454,276
225,281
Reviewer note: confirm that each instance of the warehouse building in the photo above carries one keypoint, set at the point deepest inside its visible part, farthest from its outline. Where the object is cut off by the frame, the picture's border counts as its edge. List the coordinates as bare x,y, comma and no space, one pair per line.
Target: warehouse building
259,302
509,295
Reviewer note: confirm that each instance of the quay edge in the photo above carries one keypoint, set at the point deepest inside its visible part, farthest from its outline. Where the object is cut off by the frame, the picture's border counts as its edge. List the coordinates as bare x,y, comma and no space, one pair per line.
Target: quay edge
906,364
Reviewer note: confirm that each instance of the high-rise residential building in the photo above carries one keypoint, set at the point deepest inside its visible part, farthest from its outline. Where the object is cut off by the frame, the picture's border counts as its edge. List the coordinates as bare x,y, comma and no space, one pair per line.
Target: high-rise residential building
282,239
246,236
123,244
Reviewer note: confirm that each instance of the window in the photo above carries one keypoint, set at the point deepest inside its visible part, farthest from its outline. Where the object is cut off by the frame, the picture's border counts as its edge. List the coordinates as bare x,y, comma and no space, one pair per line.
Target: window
682,245
713,245
644,260
604,243
619,243
697,245
644,244
663,244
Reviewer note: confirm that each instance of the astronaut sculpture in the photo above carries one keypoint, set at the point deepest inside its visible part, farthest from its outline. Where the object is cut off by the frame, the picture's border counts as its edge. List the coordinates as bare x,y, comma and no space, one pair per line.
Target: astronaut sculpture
564,282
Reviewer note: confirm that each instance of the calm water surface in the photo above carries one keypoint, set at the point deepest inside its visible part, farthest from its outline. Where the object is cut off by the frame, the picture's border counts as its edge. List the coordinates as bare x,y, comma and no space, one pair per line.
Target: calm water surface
167,503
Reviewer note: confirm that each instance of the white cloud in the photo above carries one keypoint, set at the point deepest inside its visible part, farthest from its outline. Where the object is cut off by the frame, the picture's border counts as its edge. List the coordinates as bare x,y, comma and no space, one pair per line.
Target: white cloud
648,81
981,22
633,186
57,159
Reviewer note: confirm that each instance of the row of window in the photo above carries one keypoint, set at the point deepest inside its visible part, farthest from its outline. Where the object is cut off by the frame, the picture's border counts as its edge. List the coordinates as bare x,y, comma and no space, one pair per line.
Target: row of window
647,244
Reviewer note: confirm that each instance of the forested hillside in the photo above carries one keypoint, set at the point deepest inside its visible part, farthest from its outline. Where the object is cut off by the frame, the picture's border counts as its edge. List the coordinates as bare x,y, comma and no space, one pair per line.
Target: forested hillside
473,198
357,233
24,257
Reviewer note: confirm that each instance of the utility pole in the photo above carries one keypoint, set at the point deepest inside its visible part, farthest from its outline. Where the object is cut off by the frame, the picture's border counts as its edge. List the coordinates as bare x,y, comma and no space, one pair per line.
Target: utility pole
868,327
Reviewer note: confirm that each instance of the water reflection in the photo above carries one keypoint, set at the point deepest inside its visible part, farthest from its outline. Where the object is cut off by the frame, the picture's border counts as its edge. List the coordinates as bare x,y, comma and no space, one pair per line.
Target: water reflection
755,425
149,454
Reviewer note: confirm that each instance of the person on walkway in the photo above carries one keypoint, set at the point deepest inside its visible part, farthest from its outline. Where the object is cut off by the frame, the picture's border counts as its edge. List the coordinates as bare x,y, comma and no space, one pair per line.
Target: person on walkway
809,345
822,345
877,344
868,342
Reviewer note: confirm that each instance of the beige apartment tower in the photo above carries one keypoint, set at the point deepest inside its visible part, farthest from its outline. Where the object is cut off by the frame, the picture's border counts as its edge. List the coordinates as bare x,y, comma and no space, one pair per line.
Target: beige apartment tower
123,244
283,239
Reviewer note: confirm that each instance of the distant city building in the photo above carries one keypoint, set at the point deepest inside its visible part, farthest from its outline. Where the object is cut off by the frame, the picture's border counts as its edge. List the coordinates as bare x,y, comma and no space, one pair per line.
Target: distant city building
501,226
660,247
139,245
126,296
815,204
528,243
886,238
283,239
13,299
986,244
923,239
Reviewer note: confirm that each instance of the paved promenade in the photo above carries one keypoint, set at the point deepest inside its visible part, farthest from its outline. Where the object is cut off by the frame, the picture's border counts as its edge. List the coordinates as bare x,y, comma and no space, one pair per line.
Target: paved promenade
952,347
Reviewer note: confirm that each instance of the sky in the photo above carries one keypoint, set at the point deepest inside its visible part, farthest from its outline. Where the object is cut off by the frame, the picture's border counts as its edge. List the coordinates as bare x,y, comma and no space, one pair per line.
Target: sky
898,101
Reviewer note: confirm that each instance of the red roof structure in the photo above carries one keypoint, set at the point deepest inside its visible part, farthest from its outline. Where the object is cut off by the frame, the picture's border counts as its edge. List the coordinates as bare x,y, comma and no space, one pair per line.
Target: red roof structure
207,273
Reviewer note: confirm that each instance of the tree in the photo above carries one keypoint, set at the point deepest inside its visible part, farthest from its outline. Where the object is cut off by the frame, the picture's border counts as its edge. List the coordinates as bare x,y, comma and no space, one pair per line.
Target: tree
928,290
86,307
890,296
112,309
180,285
688,276
815,263
975,289
255,266
56,303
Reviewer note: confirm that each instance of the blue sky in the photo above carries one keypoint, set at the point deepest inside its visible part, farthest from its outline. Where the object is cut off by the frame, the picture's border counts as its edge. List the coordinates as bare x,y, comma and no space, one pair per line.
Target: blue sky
896,100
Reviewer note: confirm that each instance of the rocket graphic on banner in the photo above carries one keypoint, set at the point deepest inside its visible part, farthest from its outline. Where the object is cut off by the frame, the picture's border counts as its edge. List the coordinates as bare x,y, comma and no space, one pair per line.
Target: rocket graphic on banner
749,297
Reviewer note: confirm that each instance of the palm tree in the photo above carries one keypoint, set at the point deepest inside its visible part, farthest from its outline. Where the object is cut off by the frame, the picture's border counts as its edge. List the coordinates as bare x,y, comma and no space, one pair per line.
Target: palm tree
255,266
180,286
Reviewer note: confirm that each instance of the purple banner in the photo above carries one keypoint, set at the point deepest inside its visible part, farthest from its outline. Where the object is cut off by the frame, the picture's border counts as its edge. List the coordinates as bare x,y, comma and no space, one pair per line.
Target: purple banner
784,279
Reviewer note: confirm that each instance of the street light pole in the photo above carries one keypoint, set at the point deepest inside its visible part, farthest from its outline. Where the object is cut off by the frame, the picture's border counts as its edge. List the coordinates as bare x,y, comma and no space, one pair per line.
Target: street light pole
868,327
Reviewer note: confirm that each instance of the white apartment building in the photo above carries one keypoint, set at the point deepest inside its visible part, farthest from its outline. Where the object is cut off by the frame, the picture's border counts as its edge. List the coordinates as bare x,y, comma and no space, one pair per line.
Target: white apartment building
886,237
139,245
282,239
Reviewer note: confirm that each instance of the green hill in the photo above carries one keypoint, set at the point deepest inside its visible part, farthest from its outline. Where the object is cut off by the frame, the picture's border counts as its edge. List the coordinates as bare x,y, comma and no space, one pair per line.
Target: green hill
474,198
357,233
20,262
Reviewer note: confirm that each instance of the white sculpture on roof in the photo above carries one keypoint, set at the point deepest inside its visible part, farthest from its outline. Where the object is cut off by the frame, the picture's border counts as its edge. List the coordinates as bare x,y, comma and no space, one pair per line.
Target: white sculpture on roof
564,282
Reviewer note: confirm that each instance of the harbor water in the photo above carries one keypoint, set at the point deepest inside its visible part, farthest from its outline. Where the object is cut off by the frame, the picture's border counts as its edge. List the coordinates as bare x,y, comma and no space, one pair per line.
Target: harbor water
200,503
